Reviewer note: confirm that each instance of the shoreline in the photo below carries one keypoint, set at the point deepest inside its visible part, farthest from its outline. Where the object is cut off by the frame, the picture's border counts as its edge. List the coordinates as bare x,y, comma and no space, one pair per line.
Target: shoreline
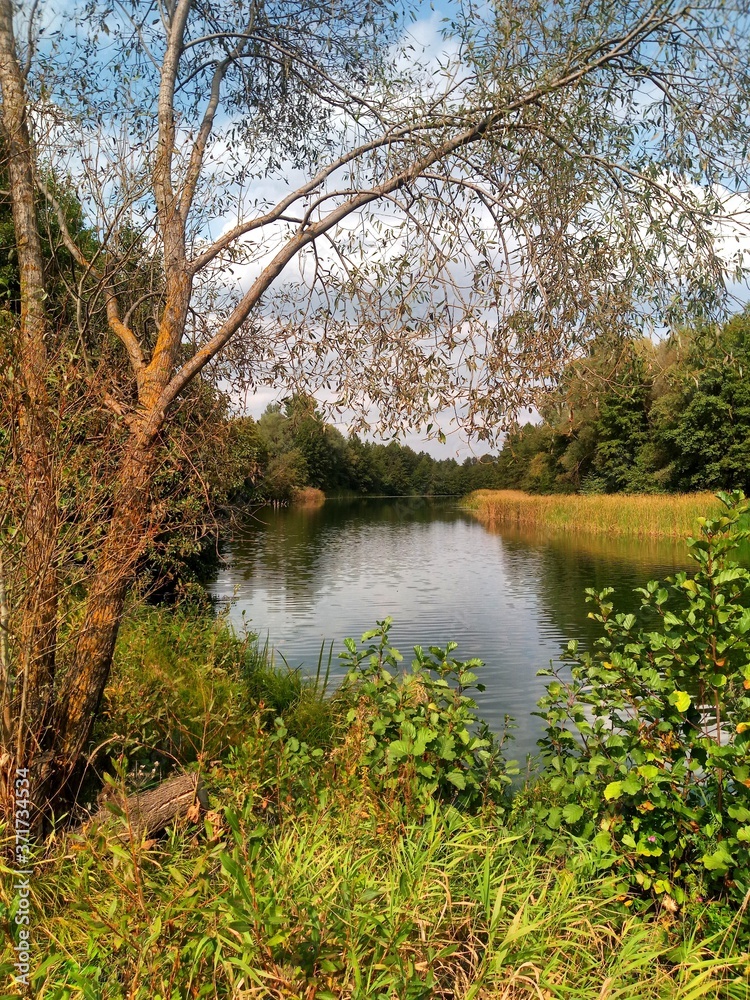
663,515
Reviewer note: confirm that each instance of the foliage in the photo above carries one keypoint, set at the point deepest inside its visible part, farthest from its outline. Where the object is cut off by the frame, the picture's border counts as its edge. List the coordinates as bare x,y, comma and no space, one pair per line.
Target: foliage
334,867
704,426
298,882
298,704
167,120
174,696
418,725
385,327
299,449
210,467
184,685
209,461
648,743
636,416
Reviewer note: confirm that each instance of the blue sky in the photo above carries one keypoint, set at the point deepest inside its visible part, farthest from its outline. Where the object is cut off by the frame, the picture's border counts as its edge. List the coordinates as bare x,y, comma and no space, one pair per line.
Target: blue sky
424,33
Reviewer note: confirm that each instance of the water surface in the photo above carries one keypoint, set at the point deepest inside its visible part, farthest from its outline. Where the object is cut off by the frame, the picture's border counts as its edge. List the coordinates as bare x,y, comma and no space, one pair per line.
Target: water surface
511,597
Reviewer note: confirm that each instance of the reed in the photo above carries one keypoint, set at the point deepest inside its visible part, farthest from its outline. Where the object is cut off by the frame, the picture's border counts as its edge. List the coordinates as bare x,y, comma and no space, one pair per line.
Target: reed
308,496
645,515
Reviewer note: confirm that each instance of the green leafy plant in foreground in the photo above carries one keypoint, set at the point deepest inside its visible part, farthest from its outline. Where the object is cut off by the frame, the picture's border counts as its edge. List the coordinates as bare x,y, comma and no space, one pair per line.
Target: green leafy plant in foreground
420,723
647,748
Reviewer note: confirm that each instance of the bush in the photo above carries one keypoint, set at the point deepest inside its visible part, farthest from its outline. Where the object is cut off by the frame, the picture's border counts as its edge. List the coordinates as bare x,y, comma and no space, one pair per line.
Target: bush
419,724
647,746
174,695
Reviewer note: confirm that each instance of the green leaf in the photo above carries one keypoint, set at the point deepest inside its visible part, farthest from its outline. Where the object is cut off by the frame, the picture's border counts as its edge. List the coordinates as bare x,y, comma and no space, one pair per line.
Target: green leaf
572,812
603,841
554,818
613,790
456,778
680,700
719,861
424,736
648,771
397,750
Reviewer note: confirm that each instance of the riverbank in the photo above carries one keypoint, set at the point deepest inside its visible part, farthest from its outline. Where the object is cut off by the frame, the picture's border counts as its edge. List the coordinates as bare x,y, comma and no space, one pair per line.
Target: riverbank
314,875
644,515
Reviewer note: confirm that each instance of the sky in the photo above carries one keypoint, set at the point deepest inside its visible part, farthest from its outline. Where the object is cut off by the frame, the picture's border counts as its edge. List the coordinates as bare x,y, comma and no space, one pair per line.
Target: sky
424,36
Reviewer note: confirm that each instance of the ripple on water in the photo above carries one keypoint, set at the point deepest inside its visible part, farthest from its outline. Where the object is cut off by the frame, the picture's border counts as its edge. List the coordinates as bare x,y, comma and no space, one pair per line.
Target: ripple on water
511,598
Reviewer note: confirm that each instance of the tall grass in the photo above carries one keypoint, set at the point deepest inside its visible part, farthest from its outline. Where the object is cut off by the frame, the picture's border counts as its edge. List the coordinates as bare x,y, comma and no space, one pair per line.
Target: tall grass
184,685
331,900
308,496
662,515
309,879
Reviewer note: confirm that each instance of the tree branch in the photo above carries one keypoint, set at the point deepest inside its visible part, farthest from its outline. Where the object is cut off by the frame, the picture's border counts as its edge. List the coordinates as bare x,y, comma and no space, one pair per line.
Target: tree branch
121,331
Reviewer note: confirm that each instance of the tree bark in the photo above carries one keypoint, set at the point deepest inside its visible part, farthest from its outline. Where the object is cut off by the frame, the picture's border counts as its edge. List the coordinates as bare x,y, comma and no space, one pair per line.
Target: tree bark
151,811
127,535
38,630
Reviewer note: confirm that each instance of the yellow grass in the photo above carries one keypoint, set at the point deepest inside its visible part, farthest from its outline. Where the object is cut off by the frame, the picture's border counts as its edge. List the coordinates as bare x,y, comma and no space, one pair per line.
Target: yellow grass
308,496
661,515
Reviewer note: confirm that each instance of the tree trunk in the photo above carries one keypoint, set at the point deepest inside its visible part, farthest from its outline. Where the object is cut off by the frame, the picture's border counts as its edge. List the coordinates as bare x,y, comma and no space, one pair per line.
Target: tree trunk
127,536
35,656
151,811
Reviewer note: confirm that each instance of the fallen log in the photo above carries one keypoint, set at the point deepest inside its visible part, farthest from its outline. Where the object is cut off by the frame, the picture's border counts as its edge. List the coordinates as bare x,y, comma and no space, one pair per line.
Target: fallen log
146,813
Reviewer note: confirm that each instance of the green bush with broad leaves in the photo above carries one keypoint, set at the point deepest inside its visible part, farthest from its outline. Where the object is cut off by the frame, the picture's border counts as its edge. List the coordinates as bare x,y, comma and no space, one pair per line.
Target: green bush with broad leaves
647,747
421,725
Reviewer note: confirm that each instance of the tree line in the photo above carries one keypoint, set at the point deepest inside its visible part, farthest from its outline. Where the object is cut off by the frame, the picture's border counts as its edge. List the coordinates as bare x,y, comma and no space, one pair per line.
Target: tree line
640,416
297,448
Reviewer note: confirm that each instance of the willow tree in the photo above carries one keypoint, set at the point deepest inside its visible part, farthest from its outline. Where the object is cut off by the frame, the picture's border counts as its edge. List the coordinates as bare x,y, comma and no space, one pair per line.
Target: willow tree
416,237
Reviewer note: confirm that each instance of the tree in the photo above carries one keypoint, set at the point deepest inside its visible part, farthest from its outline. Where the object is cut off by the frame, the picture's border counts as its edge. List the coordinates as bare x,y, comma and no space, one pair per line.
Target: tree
641,417
446,239
705,422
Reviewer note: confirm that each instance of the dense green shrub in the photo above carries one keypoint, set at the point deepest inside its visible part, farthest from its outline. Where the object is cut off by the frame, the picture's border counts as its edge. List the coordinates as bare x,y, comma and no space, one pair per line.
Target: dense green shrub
419,723
647,749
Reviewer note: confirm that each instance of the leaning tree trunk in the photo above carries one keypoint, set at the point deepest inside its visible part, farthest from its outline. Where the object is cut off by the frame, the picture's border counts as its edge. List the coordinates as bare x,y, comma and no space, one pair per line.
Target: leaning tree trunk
127,535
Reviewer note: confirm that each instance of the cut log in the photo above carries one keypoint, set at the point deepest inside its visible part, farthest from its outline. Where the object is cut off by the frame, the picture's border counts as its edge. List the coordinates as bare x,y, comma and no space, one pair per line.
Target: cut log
146,813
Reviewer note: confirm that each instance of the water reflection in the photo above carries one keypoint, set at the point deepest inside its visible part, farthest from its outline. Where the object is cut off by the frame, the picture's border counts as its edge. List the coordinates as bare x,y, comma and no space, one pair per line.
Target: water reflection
509,596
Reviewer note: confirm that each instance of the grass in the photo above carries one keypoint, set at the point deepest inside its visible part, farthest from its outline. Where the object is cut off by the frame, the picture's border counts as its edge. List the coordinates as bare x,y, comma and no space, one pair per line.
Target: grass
307,879
184,684
322,894
645,515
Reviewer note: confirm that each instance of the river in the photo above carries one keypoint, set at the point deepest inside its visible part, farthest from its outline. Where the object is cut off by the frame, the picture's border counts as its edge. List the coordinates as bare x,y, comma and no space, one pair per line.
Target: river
302,576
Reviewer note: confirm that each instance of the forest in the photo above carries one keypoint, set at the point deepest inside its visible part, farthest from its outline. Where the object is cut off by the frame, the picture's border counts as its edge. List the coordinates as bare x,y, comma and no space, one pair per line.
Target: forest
643,416
631,416
297,448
